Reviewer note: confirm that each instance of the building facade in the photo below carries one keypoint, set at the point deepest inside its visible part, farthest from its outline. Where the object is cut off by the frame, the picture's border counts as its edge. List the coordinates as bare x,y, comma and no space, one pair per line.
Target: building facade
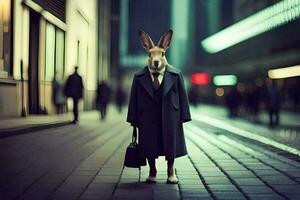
44,40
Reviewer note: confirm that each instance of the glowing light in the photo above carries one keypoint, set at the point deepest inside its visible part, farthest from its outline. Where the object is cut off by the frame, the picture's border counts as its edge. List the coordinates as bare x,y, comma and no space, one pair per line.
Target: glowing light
265,20
286,72
200,79
220,92
5,12
223,80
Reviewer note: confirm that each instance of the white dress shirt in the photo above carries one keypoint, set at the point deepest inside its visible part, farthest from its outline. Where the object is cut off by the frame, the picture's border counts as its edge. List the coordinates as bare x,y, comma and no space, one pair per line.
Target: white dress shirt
160,76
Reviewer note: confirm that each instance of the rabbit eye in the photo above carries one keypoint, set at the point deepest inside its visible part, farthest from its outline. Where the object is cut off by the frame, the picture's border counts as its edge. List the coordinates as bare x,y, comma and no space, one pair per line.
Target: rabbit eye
162,54
149,54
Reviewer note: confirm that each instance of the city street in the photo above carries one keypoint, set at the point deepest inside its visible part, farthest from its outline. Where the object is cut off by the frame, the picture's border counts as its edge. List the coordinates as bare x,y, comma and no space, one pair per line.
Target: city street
85,161
72,73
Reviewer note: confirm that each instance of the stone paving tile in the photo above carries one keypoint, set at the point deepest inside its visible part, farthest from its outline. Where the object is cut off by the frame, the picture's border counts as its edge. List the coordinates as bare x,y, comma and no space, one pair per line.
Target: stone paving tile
35,195
213,174
248,181
229,195
256,189
198,198
278,180
293,196
290,189
190,181
9,194
266,172
106,179
294,174
241,174
132,193
223,188
265,197
217,180
131,198
63,196
95,197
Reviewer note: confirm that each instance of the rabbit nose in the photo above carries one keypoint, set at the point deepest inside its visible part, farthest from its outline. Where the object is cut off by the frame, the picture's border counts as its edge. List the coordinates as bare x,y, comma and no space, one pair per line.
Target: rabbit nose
156,63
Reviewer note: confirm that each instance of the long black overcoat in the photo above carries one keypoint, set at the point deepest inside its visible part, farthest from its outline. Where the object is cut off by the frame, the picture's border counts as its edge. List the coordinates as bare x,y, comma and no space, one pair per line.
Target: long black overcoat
74,86
175,111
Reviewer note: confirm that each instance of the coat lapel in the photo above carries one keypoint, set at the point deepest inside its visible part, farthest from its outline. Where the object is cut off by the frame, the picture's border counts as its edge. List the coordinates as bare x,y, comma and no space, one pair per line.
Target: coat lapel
146,82
169,80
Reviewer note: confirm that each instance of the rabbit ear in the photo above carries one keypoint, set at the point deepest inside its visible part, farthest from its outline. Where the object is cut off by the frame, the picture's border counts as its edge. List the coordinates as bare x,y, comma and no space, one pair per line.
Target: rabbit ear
146,41
165,40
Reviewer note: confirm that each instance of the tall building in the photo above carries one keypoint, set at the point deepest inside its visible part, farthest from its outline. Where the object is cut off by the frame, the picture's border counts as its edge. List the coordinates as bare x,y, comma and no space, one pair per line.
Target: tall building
41,40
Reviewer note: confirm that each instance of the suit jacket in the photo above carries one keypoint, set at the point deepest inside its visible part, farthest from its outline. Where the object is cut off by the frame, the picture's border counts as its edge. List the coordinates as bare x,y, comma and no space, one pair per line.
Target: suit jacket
175,111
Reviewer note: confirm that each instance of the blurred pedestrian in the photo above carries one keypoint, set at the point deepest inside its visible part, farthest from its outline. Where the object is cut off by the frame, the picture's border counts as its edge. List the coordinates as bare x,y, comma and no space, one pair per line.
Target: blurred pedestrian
233,100
273,102
58,97
252,102
294,94
194,96
120,98
102,99
74,89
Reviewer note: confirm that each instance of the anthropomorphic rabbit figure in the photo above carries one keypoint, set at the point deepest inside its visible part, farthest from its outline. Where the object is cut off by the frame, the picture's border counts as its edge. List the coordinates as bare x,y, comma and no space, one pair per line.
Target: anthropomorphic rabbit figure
158,107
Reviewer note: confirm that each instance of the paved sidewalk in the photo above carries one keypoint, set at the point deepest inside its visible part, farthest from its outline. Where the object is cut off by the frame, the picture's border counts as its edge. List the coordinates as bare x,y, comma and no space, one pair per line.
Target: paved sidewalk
287,133
21,125
85,161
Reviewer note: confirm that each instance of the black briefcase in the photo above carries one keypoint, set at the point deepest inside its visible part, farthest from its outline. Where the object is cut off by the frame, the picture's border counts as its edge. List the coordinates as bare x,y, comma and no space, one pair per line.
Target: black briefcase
132,158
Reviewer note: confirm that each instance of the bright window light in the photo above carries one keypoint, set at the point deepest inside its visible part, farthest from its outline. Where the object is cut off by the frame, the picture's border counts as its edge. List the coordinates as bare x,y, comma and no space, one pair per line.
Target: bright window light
269,18
286,72
223,80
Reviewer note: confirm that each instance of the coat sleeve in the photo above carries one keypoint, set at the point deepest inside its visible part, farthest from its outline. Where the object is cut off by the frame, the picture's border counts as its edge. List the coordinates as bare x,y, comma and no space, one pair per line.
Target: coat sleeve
67,88
80,92
132,107
184,103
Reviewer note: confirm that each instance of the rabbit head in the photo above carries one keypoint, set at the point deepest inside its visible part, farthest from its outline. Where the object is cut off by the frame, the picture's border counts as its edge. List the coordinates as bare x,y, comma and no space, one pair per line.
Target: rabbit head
156,53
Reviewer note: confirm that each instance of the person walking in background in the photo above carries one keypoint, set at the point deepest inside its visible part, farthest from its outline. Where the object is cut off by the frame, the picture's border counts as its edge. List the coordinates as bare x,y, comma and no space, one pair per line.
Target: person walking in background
273,102
233,100
58,96
252,102
102,99
120,98
193,95
74,89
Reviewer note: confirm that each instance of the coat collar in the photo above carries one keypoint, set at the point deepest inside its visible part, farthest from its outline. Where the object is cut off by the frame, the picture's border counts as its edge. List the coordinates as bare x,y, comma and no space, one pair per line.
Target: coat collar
170,77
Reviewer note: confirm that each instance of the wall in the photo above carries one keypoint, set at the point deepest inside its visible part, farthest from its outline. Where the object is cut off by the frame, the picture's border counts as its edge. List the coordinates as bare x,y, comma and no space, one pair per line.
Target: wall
82,24
10,89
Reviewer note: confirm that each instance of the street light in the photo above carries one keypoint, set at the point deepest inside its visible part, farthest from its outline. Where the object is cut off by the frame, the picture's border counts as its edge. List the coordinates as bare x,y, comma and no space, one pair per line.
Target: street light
285,72
265,20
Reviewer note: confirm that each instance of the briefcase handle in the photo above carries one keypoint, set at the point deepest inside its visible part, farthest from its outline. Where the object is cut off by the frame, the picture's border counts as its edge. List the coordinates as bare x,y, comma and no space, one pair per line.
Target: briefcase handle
134,135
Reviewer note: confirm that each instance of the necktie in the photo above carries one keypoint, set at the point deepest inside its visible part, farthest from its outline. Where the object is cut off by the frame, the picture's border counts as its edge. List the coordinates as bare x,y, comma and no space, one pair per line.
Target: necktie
155,81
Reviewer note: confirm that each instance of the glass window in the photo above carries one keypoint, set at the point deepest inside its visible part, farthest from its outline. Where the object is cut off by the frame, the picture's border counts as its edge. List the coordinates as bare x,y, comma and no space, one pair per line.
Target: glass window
5,35
60,53
50,52
55,52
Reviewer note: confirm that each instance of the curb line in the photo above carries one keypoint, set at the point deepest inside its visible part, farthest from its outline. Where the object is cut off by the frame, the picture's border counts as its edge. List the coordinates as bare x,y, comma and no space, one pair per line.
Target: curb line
4,133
